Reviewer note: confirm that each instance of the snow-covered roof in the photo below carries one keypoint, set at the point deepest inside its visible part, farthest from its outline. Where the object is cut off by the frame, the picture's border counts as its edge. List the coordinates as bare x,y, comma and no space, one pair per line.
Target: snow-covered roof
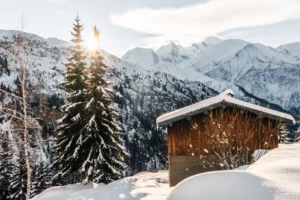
217,101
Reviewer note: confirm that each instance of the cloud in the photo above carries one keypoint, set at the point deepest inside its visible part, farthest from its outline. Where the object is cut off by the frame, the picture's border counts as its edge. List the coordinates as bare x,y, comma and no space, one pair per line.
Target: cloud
200,20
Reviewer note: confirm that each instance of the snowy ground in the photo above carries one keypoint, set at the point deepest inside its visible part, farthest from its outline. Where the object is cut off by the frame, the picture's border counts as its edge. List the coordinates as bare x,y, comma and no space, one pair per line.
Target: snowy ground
275,176
146,186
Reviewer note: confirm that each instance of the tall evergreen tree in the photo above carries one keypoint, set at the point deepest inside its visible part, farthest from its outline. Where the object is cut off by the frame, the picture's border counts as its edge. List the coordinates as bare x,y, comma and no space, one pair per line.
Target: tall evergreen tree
66,160
102,146
18,180
88,137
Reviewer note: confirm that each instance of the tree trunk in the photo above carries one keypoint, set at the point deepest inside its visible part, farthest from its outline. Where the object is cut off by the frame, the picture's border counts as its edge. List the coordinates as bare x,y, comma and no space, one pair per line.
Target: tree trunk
25,121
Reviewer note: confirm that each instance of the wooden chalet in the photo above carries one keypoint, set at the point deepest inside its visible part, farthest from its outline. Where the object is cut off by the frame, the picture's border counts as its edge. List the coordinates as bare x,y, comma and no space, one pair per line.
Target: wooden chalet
218,133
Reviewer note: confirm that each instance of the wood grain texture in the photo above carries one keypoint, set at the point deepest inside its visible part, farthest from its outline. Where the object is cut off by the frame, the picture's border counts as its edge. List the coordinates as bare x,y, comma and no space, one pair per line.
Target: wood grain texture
227,127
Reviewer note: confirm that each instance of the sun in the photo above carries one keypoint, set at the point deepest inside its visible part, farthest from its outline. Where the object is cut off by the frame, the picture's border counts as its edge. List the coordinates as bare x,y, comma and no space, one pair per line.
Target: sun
92,43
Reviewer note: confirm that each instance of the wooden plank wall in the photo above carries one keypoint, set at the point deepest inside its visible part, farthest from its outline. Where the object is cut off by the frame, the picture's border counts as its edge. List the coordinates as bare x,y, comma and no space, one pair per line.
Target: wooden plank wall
237,128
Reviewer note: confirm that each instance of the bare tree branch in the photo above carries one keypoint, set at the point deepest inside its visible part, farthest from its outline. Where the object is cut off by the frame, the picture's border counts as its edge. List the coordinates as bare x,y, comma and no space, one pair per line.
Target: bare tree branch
11,94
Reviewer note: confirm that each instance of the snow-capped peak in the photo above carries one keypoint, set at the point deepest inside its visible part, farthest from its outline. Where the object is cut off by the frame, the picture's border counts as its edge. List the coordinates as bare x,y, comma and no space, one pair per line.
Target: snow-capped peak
208,41
170,48
141,56
211,40
291,48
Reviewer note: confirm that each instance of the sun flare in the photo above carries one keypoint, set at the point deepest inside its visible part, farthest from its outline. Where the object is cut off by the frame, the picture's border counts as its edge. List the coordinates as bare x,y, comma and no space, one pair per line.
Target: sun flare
92,43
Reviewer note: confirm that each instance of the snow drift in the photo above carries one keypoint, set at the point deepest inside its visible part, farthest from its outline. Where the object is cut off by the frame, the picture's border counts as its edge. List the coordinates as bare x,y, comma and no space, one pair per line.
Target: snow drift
275,176
231,185
146,186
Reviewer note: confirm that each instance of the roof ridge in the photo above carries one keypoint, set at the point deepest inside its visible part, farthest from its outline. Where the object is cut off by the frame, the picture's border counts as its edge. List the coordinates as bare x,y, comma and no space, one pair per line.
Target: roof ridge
227,92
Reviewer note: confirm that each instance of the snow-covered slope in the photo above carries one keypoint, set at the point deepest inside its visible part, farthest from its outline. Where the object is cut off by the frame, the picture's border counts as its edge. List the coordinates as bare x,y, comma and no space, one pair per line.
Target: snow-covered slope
281,168
57,42
215,54
173,54
268,74
275,176
291,49
43,61
200,46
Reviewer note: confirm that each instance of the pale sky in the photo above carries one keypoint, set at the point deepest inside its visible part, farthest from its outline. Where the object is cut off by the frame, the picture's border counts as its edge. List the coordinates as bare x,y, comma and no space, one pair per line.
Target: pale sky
125,24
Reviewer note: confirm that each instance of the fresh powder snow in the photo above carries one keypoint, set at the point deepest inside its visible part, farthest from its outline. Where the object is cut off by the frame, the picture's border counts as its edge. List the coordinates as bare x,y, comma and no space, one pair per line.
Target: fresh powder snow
146,186
275,176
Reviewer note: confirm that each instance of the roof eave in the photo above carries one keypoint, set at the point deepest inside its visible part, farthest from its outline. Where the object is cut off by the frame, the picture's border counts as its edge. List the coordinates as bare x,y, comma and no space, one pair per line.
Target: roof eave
161,122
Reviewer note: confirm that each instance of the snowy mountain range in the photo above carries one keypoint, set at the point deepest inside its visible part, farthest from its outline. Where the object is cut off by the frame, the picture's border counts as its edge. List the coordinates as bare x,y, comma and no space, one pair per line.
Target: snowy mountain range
149,83
272,74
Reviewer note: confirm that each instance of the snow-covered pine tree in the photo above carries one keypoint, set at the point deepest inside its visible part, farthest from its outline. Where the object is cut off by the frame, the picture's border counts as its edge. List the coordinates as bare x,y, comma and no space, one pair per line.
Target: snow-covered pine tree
101,147
6,165
41,179
284,135
18,180
5,172
66,160
34,174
